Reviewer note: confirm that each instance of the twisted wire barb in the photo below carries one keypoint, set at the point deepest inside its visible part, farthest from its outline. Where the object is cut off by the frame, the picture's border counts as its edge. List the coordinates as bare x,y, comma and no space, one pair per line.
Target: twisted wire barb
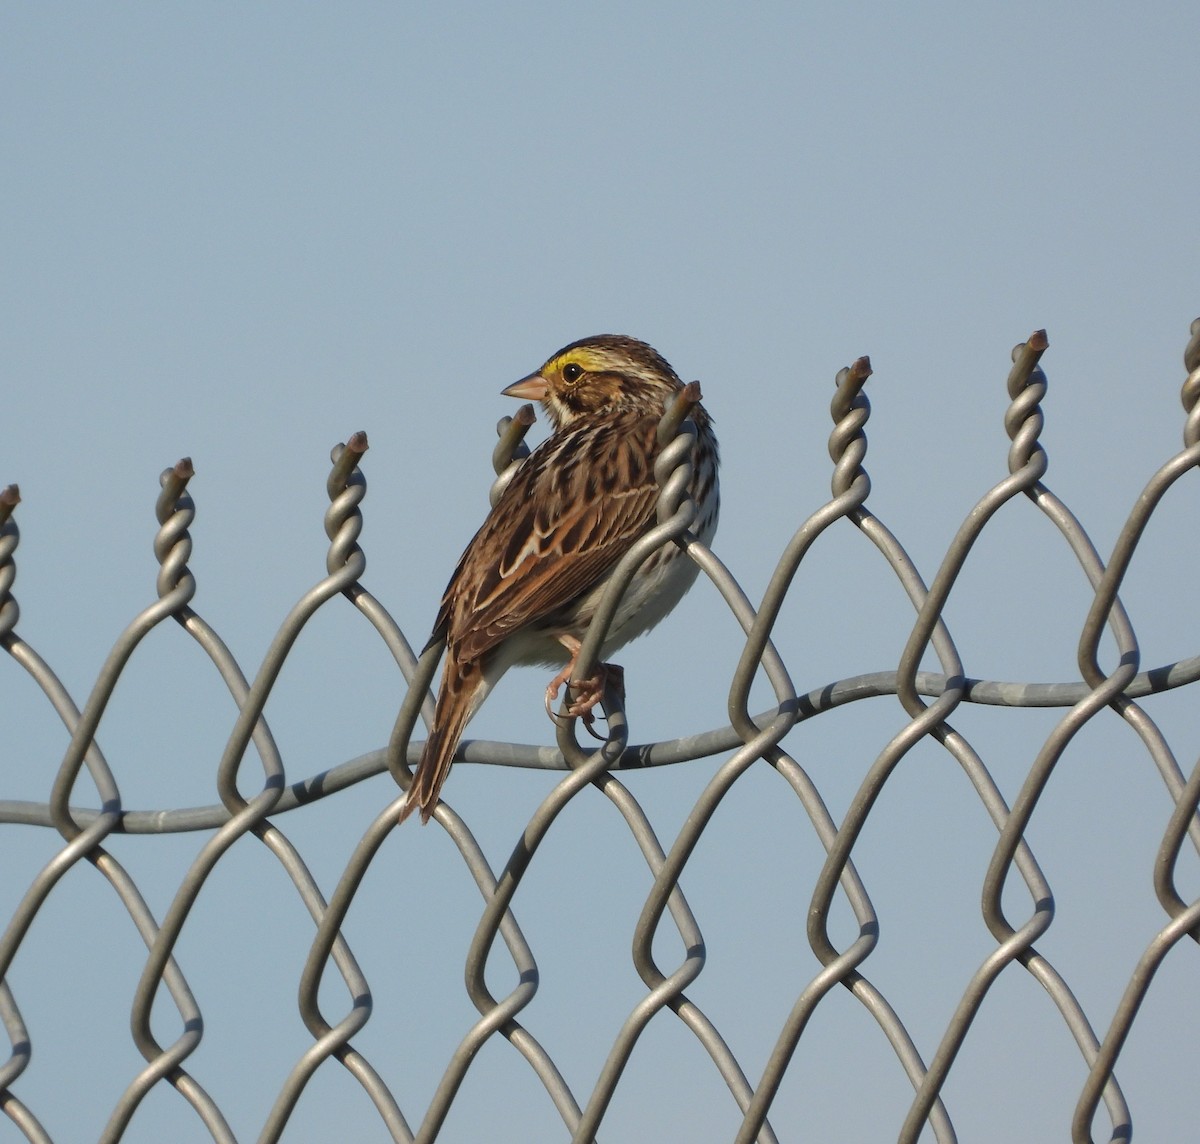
510,450
10,537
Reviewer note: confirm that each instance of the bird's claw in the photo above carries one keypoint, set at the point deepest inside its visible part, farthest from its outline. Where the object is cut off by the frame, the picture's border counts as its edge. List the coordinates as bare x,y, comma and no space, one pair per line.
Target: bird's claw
591,693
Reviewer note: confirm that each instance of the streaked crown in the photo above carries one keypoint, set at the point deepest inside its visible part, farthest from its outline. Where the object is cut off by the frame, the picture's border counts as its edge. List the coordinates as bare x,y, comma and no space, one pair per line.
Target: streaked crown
605,373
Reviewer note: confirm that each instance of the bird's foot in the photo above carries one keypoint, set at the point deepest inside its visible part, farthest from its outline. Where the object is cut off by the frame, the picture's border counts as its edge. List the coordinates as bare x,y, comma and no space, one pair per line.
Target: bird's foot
584,694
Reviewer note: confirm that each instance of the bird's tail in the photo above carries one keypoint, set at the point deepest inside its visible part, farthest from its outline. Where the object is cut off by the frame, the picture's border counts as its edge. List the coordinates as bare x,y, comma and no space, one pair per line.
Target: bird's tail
454,707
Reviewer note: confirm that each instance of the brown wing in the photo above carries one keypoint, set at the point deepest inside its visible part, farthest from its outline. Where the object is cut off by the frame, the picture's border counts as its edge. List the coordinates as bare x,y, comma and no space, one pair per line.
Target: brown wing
568,515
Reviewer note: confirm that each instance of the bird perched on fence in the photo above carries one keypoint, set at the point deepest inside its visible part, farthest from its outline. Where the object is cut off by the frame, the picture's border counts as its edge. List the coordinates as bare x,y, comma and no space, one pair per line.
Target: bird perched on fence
532,577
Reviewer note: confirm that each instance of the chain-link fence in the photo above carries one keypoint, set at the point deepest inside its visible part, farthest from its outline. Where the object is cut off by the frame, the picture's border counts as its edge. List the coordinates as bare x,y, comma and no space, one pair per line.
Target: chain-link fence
83,820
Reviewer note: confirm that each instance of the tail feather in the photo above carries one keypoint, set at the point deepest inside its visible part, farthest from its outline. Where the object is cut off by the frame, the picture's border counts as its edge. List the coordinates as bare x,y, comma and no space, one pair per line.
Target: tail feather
453,709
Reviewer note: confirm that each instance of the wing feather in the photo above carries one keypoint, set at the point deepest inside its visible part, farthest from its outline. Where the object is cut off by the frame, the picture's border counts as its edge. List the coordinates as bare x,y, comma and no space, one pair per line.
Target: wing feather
566,518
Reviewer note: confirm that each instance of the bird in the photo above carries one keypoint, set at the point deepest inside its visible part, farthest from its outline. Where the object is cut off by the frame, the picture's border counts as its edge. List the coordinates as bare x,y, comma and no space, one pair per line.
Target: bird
531,579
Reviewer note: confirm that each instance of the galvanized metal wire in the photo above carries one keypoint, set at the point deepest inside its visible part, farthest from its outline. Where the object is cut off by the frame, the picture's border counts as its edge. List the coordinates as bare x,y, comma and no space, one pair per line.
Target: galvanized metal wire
253,809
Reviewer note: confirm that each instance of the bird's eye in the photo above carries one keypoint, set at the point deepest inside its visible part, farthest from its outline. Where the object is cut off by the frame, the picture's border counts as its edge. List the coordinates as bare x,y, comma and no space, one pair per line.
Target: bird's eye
572,371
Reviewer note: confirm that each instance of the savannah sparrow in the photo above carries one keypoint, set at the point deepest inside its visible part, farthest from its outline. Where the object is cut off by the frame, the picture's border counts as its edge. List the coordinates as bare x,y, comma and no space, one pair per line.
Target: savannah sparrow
530,581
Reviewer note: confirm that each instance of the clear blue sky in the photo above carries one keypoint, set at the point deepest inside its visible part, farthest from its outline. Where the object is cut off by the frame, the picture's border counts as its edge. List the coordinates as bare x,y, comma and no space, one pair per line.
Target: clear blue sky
241,233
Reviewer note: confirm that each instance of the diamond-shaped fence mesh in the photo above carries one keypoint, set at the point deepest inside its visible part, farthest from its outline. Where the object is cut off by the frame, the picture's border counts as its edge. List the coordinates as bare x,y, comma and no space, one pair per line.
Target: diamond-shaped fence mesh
77,832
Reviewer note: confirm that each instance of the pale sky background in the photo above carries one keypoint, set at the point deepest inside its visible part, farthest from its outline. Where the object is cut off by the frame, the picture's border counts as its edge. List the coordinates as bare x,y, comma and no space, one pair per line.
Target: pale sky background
242,232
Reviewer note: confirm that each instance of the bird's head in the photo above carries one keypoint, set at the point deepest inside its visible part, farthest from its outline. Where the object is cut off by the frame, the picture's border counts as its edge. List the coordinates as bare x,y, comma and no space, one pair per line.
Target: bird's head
596,375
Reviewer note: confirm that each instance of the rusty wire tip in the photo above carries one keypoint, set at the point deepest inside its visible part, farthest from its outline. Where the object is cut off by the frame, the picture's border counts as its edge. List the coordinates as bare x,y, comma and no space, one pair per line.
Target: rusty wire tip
345,460
1191,354
511,432
525,416
10,497
680,404
174,480
173,485
1034,347
847,395
850,377
355,444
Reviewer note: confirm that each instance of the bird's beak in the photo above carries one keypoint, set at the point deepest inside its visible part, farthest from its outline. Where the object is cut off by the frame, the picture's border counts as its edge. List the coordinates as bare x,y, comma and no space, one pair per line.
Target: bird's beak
531,388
